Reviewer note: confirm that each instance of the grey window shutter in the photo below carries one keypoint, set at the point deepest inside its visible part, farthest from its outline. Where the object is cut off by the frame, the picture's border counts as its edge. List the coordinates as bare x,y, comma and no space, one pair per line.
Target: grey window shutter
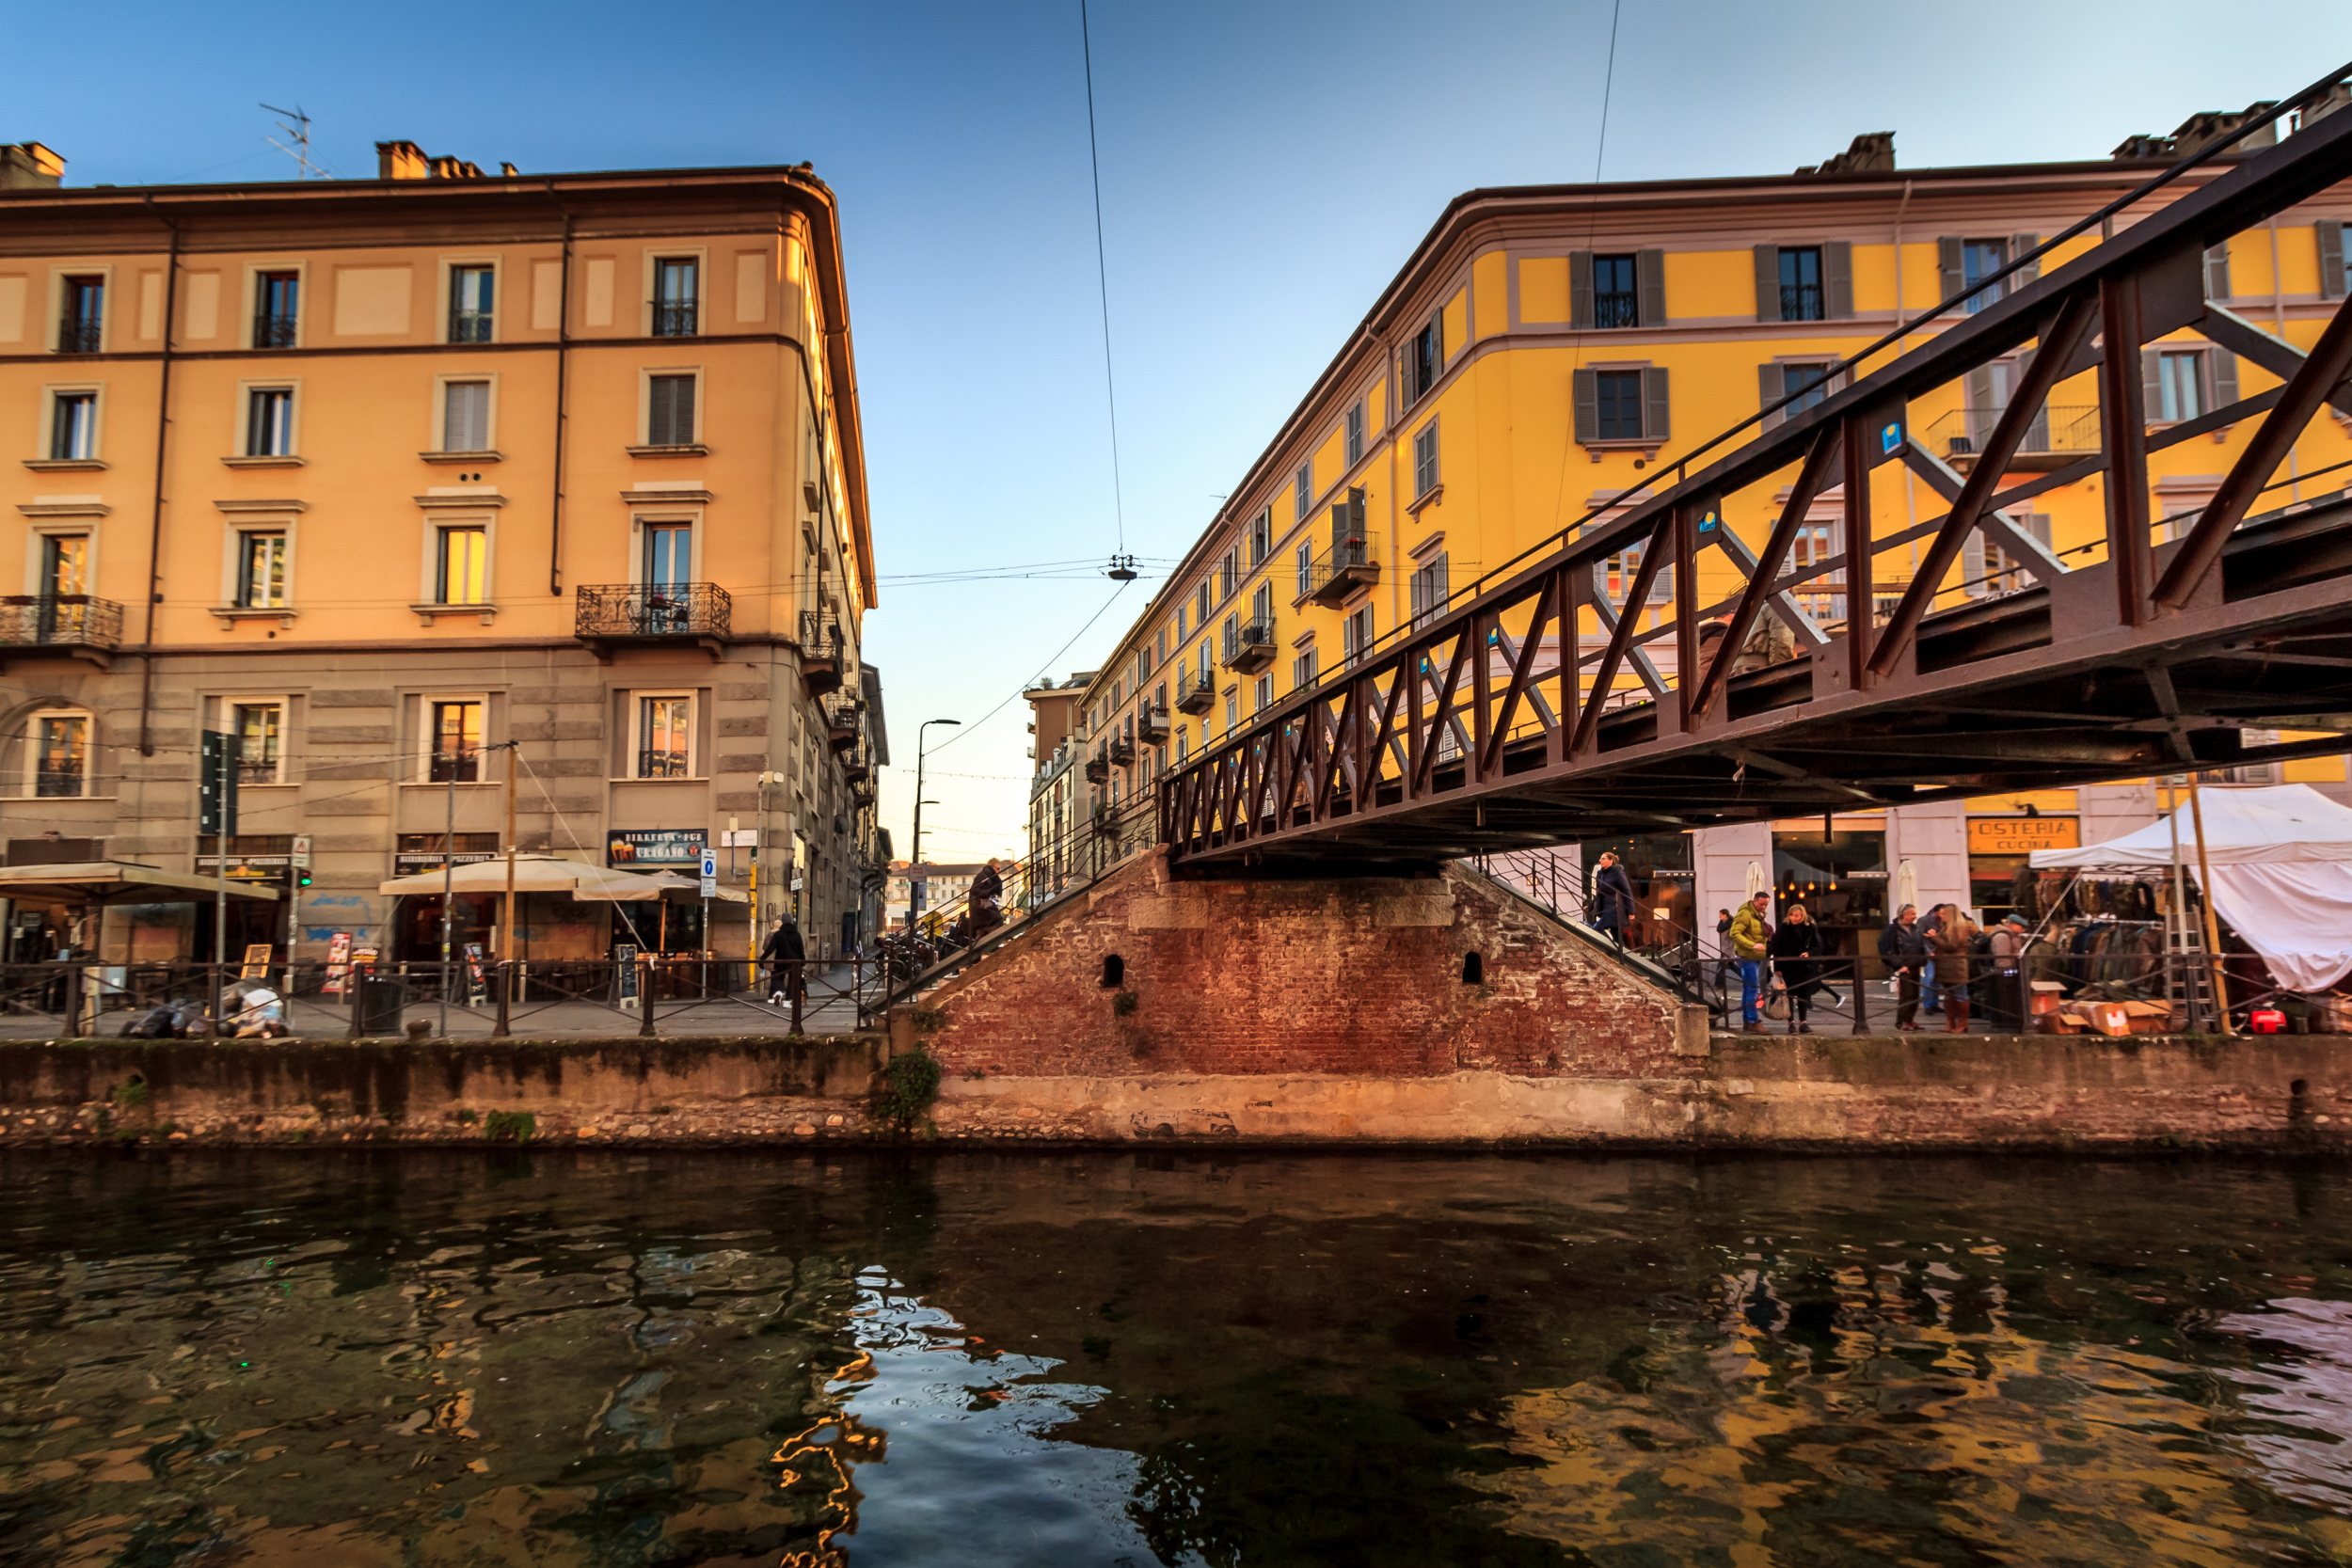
1581,290
1649,275
2151,384
1656,425
1420,591
2332,280
1436,342
1437,579
2018,246
2218,271
1769,389
1947,262
1981,404
1837,279
1587,391
1767,283
2224,377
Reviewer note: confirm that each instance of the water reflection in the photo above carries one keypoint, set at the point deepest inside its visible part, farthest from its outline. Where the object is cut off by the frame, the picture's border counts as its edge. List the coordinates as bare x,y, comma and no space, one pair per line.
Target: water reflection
596,1358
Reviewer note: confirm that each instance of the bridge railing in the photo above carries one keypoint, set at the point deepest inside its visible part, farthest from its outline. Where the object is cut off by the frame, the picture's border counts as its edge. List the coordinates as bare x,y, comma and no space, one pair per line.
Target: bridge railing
1535,668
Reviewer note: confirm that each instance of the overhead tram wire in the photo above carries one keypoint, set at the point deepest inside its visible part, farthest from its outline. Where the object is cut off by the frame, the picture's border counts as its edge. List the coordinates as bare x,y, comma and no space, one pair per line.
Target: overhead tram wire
1122,566
1048,663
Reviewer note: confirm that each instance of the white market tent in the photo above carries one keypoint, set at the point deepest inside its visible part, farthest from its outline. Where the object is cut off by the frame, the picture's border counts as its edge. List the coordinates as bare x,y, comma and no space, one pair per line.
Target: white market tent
2281,863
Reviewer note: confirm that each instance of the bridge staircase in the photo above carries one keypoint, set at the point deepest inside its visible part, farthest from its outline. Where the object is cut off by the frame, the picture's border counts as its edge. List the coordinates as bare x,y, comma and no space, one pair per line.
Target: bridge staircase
1675,980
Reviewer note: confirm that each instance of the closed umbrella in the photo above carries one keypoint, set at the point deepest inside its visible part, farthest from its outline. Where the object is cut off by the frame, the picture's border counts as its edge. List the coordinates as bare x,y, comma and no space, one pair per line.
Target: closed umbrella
1906,885
1758,880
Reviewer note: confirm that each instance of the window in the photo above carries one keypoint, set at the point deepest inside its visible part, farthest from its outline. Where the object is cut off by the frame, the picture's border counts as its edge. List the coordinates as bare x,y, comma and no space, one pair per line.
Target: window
1620,404
455,741
462,572
1356,634
670,411
1304,560
2180,386
1264,693
1208,664
1233,636
472,298
1303,671
1200,611
1616,297
1807,384
262,570
1303,490
466,416
675,295
669,554
664,736
269,421
1179,626
2003,572
277,302
1183,745
1814,544
64,564
1354,438
1425,460
1801,298
74,427
1233,713
1260,536
1425,359
1981,258
1261,612
1429,589
1613,574
259,728
1228,574
81,315
61,755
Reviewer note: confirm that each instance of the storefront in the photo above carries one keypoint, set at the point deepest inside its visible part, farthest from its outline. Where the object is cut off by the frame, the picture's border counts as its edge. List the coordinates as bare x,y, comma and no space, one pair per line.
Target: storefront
1841,877
1659,866
1997,851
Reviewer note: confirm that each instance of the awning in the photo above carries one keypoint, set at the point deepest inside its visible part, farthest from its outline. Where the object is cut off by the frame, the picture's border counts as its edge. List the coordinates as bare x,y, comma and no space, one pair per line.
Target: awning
86,882
688,889
533,874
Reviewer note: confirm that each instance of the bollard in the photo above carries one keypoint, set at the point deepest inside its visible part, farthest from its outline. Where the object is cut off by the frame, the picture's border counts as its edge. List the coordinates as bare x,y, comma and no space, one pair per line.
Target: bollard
645,998
506,982
1860,1006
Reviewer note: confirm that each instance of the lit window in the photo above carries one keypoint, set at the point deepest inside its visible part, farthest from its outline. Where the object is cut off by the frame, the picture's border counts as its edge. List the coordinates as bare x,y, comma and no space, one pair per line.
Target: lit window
61,757
664,736
456,742
463,569
261,571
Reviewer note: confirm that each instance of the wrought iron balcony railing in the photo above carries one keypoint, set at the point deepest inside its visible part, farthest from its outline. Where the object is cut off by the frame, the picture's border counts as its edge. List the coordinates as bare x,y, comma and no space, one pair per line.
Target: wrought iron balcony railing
1801,302
1341,570
653,610
1250,647
59,619
273,332
2057,430
77,335
1151,724
821,650
1616,309
469,326
664,764
1196,695
674,320
58,783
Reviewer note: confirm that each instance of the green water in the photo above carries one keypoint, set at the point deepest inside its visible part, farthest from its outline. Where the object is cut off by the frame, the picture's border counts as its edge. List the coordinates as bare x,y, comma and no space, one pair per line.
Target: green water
603,1358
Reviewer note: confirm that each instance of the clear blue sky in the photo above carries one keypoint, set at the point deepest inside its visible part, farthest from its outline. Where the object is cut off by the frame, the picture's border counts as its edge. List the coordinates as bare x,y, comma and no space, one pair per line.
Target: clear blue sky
1265,169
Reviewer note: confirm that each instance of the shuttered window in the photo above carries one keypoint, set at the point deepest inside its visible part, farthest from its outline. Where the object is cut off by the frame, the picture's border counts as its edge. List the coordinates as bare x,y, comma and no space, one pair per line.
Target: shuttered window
1622,405
1355,435
466,416
670,411
2332,271
1425,460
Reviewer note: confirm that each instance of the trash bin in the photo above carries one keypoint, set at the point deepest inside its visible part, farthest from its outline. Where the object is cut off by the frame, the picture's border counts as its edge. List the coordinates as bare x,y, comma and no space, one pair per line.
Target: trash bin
380,1002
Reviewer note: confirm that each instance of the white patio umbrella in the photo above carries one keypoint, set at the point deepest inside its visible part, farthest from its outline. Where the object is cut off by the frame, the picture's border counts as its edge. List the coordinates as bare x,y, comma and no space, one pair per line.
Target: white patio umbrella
532,873
682,889
1758,879
1906,885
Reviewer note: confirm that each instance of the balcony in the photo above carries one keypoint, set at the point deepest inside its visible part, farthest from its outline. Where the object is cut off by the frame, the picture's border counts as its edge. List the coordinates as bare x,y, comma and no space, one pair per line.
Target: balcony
675,320
1151,724
1616,307
1122,752
1251,649
2058,436
613,615
668,763
1196,695
77,335
273,331
856,772
1341,571
820,651
841,724
469,326
77,624
1099,768
1801,302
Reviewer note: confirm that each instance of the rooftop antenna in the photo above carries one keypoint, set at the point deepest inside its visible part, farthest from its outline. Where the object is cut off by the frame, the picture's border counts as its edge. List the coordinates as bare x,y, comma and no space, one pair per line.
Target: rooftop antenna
299,134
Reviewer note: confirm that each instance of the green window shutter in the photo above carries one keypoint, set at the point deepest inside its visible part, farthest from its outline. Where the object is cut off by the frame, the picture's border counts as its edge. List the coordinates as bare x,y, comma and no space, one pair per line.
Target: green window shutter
2018,246
1768,283
1649,277
1581,290
2332,278
1587,398
1768,390
1657,424
2218,271
1947,263
1837,279
2224,377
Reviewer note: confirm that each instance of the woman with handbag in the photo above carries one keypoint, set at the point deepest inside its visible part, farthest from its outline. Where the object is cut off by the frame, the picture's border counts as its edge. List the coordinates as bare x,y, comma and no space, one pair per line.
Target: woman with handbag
1794,947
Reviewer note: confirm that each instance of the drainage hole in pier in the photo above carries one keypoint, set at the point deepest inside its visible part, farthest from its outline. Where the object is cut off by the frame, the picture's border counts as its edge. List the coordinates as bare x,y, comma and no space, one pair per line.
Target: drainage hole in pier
1114,970
1473,969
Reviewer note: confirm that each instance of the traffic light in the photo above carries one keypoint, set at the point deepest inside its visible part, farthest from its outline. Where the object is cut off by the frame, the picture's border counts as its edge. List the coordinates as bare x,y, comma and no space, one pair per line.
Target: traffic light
302,878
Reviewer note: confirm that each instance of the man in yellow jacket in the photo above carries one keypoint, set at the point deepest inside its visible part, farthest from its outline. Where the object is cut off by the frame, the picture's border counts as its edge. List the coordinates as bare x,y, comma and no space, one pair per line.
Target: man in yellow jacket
1750,931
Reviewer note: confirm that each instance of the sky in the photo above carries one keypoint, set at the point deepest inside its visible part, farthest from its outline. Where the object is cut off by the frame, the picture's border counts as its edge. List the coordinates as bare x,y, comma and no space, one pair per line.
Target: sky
1265,169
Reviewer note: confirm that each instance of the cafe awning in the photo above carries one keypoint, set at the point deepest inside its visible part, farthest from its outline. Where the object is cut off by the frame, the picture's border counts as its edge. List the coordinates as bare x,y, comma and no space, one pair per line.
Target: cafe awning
532,873
87,883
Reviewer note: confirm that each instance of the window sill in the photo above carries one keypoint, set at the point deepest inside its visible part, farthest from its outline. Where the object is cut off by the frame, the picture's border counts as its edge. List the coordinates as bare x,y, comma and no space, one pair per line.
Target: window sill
428,613
691,449
461,783
1647,448
20,795
1430,496
231,614
263,462
463,456
63,465
692,778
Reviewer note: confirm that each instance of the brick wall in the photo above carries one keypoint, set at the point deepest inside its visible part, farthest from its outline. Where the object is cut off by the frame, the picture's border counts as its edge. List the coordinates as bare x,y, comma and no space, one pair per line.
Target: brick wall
1289,975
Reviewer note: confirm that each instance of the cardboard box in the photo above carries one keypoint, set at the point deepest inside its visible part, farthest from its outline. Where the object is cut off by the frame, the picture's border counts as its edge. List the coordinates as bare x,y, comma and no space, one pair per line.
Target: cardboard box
2061,1023
2108,1018
2047,996
2148,1018
2331,1014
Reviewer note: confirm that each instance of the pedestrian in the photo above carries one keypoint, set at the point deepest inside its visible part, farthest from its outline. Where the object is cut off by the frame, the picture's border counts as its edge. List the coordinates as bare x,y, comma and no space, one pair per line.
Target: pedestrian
2005,999
1750,934
1612,897
1795,949
1906,953
784,953
1725,965
1953,941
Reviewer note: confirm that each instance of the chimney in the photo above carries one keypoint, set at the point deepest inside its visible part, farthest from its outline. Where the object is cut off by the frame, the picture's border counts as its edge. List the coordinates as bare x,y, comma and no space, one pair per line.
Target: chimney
1871,153
2200,131
29,166
400,160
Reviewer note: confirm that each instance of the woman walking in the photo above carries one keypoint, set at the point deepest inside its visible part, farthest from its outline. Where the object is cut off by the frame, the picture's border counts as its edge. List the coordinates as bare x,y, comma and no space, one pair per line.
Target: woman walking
1794,947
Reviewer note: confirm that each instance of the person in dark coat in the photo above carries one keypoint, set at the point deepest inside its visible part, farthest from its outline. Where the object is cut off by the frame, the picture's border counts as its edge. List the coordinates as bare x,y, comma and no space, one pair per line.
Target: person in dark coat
783,953
1794,948
1953,941
1906,953
1612,897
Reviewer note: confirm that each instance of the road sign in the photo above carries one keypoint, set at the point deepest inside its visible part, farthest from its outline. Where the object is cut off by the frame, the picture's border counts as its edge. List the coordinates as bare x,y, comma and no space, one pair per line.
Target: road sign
301,856
711,874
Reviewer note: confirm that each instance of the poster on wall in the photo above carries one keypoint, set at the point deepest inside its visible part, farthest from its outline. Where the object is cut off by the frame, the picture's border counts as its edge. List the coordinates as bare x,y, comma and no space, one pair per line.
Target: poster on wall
477,984
652,849
338,962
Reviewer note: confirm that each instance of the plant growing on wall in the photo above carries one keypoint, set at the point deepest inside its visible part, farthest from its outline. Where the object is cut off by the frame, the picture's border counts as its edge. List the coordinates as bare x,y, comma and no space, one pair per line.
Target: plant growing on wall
906,1090
510,1126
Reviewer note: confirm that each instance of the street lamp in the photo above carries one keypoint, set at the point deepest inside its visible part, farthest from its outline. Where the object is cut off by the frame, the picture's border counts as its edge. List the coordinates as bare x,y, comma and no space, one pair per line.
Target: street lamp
915,860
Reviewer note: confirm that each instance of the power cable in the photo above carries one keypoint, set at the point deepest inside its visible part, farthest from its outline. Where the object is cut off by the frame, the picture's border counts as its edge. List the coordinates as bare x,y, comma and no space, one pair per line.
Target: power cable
1049,659
1102,277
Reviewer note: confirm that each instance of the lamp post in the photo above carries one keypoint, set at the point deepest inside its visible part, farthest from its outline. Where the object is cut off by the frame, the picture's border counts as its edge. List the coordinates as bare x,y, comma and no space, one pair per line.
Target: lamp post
915,858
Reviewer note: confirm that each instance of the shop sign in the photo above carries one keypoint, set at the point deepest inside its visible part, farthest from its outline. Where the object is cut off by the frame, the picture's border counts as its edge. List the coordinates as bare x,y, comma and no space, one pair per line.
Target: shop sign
2016,836
634,846
416,861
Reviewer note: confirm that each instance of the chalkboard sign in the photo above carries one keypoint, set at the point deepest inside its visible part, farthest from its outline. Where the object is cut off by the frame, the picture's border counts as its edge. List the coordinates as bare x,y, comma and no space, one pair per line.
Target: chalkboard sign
625,956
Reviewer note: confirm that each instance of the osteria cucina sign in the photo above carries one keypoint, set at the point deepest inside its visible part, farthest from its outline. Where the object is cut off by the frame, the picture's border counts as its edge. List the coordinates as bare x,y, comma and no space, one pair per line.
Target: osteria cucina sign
2015,835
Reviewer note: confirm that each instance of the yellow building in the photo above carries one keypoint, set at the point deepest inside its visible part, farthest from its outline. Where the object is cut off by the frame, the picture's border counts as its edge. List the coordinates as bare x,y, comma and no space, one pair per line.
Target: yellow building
418,482
1546,350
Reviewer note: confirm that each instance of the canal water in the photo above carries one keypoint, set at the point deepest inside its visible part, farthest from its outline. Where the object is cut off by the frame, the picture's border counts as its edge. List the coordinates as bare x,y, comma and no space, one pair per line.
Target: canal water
604,1358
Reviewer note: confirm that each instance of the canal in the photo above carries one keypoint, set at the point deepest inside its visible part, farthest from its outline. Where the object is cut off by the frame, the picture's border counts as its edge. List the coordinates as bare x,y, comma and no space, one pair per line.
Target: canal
1074,1358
